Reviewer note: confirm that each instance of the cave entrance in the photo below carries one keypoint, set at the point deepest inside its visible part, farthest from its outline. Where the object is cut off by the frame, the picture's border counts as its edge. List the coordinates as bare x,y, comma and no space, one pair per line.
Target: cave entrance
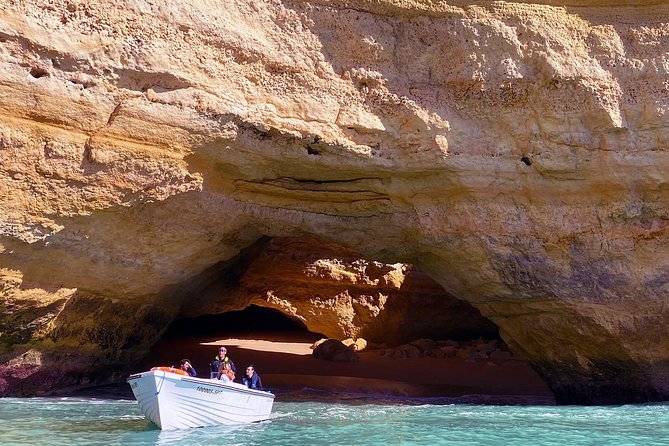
421,341
261,322
243,332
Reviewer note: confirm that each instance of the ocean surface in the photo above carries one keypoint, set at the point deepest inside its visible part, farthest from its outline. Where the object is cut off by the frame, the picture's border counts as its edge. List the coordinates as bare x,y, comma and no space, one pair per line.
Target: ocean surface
98,421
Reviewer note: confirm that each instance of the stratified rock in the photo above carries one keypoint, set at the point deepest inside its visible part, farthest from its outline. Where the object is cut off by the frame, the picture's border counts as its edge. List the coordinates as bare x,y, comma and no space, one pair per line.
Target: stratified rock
335,291
516,153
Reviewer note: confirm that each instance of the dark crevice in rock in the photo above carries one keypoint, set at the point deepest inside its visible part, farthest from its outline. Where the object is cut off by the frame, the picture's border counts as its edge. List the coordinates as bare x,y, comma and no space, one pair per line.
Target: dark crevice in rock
311,150
114,113
252,319
348,180
38,72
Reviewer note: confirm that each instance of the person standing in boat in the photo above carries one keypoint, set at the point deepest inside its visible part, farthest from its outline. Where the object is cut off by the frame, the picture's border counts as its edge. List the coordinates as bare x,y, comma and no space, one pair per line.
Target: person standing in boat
251,378
221,358
187,367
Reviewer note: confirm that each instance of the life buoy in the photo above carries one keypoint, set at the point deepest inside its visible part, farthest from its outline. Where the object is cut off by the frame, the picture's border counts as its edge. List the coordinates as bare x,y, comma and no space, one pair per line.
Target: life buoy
169,369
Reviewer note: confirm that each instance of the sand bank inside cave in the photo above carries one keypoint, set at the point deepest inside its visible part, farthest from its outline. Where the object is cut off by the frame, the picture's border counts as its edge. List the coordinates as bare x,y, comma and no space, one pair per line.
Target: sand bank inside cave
287,367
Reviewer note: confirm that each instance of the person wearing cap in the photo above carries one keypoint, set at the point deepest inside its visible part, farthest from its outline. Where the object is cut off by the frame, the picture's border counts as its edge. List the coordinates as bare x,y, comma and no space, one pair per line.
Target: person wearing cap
221,358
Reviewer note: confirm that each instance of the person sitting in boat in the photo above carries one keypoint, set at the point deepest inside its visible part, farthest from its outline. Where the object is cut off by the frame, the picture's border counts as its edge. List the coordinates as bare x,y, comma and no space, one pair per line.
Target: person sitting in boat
221,358
225,372
251,379
187,367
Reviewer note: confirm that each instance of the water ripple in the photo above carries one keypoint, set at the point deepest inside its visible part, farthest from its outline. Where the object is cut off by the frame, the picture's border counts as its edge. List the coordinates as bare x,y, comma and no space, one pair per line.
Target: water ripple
92,421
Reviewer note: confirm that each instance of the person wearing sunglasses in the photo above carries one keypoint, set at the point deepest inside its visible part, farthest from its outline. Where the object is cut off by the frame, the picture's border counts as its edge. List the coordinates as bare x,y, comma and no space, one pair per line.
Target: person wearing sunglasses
221,358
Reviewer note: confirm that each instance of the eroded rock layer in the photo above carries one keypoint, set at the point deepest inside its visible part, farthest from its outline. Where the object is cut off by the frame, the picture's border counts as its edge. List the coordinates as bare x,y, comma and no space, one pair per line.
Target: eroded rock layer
517,153
335,292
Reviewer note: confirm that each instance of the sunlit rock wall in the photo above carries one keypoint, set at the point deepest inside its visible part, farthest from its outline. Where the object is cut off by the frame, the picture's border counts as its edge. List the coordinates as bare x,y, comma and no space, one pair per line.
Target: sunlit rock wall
515,152
335,292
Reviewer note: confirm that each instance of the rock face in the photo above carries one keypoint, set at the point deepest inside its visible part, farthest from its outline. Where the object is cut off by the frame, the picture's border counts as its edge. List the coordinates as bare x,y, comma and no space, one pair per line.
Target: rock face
333,291
516,153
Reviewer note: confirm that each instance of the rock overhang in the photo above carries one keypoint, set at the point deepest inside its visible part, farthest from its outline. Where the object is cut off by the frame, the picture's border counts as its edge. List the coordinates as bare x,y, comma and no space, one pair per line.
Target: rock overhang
512,151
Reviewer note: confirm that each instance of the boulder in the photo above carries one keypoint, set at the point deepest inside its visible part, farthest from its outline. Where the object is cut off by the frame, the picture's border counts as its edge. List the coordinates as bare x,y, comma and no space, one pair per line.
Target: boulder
334,350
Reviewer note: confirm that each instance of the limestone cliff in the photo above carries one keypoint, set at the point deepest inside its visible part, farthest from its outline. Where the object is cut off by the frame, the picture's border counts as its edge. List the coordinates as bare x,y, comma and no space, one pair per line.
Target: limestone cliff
514,152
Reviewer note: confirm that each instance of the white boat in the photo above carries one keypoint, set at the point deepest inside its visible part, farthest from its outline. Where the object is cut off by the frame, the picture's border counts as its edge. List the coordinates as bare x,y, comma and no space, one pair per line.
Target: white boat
175,401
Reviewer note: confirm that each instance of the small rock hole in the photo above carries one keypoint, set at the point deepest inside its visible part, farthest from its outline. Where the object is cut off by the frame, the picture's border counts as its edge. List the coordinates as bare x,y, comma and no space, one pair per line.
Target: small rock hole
526,160
313,151
38,72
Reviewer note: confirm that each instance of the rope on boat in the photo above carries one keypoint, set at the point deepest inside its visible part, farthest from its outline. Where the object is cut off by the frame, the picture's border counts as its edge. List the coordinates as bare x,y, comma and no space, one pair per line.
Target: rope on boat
160,386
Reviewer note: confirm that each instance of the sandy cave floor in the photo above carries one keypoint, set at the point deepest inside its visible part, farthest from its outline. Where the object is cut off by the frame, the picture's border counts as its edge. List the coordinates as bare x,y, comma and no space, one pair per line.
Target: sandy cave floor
286,366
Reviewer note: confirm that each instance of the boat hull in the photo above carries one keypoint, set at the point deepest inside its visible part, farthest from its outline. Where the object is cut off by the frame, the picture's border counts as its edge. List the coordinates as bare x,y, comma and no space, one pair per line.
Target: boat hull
174,401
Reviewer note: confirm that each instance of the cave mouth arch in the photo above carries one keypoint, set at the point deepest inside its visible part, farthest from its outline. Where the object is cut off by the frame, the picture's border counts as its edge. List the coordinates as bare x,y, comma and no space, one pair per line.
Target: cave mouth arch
421,341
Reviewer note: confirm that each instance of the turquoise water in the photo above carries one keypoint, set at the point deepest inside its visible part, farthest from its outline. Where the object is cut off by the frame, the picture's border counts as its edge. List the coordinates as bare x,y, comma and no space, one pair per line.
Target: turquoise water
92,421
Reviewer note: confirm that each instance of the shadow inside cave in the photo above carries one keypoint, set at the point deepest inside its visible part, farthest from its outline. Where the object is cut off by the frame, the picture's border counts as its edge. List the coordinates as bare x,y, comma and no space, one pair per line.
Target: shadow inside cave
280,350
